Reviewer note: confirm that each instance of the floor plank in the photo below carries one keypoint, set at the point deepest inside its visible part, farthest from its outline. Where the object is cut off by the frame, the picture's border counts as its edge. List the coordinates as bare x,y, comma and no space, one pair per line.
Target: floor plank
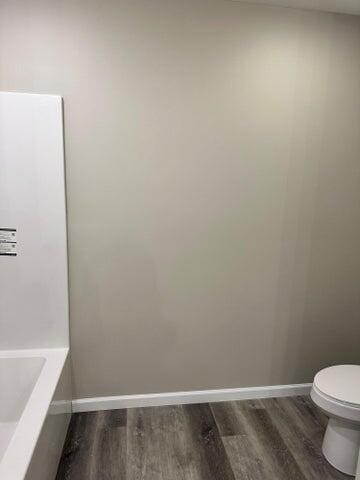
302,435
270,445
213,462
158,447
248,440
95,447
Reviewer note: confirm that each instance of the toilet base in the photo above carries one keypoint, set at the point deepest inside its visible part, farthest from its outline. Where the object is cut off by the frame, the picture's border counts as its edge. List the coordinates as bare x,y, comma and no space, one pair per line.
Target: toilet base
341,445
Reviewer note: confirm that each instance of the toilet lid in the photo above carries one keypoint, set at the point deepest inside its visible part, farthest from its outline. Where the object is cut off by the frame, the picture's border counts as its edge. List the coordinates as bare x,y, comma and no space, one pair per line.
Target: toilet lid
341,382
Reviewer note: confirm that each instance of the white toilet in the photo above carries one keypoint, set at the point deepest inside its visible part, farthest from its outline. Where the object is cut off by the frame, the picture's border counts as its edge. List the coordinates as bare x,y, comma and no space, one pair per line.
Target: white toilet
336,391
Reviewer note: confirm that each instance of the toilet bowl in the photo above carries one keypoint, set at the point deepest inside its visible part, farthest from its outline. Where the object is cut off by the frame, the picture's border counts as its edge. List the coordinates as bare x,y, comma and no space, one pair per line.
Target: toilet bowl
336,391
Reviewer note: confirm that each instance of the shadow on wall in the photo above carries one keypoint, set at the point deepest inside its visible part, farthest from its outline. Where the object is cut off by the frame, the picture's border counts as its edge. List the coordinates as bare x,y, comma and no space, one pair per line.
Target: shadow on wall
124,299
317,309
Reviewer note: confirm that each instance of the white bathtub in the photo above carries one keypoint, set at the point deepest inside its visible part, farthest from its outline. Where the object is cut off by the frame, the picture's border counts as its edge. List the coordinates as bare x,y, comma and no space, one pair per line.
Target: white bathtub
35,408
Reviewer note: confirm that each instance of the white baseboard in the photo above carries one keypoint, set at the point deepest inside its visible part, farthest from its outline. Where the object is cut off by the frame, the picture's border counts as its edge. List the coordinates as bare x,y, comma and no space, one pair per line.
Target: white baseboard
177,398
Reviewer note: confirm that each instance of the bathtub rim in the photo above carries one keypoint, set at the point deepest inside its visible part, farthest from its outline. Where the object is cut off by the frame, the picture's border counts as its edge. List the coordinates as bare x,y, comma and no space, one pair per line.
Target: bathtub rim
18,455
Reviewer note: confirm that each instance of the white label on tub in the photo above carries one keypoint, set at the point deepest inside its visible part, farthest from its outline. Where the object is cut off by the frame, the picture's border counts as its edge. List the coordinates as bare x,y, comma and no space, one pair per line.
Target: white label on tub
8,242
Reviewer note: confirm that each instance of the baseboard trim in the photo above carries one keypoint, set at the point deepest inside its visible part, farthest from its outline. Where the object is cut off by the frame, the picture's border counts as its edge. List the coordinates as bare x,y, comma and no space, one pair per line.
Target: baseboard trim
177,398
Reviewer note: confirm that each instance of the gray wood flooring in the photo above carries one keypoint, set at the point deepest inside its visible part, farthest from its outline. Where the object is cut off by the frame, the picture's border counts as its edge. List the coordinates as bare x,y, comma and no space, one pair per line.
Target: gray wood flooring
248,440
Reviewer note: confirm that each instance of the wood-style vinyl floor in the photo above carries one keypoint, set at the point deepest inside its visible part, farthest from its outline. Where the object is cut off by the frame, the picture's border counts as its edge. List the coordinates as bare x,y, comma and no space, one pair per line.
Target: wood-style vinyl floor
272,439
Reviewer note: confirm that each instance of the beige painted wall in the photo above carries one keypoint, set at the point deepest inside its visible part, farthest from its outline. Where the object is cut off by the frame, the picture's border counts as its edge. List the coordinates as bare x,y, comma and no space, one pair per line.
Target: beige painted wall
213,175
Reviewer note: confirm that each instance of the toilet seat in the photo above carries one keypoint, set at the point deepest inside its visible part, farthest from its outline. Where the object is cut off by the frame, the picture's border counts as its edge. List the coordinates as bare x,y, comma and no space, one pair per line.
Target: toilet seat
341,383
336,390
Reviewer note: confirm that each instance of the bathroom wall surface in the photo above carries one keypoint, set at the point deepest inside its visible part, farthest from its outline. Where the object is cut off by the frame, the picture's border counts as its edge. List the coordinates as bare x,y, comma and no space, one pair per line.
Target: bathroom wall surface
33,256
213,185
